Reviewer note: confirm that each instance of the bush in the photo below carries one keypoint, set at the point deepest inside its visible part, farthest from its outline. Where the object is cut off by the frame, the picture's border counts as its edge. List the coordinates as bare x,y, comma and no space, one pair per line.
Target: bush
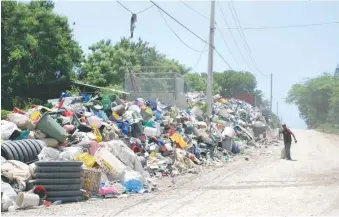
4,114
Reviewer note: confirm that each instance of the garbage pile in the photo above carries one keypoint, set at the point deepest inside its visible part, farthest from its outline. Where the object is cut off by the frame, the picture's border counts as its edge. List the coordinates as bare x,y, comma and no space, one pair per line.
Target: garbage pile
79,147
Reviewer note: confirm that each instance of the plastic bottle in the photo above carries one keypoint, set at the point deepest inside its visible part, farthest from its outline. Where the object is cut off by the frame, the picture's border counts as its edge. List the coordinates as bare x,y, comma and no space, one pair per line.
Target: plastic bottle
58,202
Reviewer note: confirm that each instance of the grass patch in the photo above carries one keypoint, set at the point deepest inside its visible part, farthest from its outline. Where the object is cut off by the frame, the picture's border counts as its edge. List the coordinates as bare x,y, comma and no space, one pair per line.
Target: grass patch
328,128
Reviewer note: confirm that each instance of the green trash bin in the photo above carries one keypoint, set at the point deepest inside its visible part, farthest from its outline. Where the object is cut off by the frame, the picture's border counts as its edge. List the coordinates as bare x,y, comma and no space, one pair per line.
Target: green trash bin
52,128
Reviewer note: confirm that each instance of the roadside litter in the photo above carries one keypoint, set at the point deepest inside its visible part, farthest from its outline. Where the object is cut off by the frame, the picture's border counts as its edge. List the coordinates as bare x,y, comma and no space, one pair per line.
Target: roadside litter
81,147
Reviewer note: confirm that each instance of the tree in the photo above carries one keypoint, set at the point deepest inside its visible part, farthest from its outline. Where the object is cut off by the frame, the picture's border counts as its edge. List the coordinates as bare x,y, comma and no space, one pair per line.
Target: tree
233,82
37,46
317,100
108,64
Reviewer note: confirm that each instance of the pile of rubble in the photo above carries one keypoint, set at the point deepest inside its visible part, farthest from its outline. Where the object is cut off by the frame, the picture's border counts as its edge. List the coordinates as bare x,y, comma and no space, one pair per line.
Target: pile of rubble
81,147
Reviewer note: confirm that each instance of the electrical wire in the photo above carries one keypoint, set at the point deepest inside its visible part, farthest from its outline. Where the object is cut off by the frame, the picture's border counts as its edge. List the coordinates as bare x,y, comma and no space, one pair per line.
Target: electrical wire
191,32
288,26
194,10
179,22
131,11
182,41
235,41
187,5
199,58
228,48
242,35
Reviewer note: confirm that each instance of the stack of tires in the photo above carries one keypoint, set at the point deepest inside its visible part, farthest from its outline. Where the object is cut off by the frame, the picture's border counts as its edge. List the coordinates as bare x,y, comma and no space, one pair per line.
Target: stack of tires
25,150
62,180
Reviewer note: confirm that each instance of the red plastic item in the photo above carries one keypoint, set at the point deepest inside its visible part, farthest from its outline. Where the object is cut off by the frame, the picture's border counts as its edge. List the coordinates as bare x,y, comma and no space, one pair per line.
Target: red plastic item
68,113
16,110
61,103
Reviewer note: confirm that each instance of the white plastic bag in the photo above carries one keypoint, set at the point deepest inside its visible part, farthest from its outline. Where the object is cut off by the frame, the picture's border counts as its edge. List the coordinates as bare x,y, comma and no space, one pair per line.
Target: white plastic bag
7,128
70,153
48,154
283,153
22,121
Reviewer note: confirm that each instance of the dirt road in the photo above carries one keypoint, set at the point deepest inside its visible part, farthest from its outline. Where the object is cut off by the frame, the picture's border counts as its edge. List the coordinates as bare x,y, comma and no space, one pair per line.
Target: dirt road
264,185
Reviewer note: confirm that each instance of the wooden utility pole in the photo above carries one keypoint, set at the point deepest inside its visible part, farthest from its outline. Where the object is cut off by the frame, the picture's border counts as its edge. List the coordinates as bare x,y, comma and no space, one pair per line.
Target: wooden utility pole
210,62
271,91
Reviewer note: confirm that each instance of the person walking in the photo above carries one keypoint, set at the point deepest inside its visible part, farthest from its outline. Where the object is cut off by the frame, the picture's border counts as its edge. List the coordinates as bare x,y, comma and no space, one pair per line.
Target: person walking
287,135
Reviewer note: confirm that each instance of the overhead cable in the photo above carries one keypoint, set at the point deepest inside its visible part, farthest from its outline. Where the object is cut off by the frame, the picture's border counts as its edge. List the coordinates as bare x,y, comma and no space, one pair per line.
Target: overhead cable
222,36
182,41
179,22
287,26
242,35
235,41
122,5
204,16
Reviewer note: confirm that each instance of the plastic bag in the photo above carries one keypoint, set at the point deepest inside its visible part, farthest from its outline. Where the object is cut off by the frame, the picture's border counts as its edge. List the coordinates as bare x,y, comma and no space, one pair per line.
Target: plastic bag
22,121
283,153
87,159
7,190
7,128
70,153
132,180
48,154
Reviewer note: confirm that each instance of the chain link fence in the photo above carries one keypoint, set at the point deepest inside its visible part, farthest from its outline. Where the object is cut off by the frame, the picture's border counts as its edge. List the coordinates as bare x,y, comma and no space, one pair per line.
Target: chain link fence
169,88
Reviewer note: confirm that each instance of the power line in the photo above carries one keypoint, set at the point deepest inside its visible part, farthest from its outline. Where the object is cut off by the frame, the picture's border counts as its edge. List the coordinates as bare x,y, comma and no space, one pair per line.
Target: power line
228,48
179,22
235,42
198,60
242,35
223,38
131,11
195,10
191,32
287,26
182,41
217,28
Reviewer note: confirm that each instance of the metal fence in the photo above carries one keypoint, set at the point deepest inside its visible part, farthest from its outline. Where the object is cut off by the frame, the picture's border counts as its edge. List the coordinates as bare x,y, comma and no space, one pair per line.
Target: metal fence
168,87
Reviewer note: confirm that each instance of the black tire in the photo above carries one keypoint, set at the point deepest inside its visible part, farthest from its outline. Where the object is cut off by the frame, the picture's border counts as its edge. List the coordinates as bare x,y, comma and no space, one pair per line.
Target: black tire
64,193
24,151
46,169
65,199
13,150
58,181
8,155
59,163
64,187
18,151
57,175
28,150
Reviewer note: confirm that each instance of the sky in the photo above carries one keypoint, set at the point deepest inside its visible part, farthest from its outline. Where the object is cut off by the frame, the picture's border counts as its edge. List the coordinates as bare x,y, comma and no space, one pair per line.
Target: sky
290,54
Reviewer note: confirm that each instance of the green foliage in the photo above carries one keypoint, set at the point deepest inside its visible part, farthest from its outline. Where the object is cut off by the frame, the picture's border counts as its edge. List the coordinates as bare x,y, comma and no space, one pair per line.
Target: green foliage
195,82
4,114
25,104
233,82
74,91
107,64
317,100
36,43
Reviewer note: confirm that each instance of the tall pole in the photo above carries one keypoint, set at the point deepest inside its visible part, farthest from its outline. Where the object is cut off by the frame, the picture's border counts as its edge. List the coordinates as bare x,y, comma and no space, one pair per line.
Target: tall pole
271,91
210,62
277,108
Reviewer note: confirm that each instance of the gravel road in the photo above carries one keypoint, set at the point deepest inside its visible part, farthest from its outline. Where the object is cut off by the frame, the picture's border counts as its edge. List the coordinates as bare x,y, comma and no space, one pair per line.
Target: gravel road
263,185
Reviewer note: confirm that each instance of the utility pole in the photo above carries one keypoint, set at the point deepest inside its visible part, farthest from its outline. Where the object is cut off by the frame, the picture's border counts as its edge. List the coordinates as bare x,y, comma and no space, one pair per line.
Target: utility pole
277,108
271,90
210,62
